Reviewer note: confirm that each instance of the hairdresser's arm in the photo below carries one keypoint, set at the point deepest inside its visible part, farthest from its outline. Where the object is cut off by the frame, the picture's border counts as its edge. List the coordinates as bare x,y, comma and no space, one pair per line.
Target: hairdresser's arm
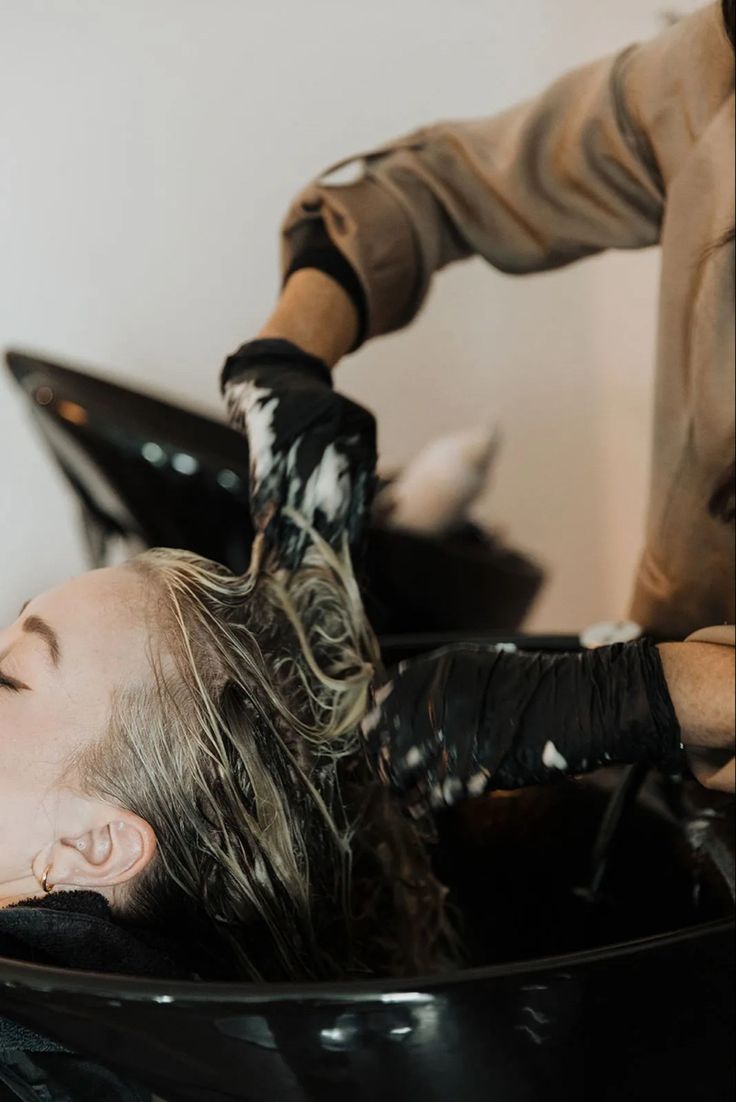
580,168
700,678
315,313
312,451
470,719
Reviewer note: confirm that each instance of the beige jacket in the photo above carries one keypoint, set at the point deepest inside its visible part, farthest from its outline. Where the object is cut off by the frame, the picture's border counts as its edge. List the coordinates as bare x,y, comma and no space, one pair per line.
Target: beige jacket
630,151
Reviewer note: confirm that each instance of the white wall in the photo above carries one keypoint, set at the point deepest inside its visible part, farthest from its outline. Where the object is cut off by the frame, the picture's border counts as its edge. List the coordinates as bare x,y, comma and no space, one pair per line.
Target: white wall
148,150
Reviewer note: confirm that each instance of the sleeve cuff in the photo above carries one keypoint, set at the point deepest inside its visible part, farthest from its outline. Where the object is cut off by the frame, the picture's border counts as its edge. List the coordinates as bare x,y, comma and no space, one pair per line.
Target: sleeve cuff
368,227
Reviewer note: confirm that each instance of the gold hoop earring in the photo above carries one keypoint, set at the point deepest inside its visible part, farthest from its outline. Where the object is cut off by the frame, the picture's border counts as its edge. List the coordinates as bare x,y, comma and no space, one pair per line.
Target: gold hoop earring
45,881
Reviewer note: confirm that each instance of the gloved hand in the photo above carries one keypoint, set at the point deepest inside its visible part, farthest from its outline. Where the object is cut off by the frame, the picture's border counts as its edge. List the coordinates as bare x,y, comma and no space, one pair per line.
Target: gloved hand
310,448
471,718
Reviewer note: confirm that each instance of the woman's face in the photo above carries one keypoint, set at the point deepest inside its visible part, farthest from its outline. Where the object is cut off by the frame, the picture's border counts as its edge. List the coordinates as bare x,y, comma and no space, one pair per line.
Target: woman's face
60,662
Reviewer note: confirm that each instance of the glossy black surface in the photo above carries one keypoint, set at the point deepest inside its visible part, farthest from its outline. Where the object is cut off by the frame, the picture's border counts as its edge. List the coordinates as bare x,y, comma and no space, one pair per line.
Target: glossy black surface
140,466
144,469
632,999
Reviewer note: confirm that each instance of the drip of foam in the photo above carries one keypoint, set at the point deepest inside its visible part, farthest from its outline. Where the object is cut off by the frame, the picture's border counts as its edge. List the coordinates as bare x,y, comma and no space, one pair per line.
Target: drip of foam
551,756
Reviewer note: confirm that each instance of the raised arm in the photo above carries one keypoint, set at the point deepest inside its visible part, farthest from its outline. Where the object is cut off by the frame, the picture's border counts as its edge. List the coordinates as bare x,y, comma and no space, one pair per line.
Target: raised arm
316,314
581,168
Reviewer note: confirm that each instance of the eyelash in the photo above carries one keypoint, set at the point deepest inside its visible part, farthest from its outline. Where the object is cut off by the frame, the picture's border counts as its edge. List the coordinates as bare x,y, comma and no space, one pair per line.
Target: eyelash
9,683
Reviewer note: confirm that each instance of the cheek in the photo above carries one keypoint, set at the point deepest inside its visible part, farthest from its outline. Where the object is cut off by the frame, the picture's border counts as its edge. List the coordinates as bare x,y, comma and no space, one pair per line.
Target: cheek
35,741
31,761
25,825
14,743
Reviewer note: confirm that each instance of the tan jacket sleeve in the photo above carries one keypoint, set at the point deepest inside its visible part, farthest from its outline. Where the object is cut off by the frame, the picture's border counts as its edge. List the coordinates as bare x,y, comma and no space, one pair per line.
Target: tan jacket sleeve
579,169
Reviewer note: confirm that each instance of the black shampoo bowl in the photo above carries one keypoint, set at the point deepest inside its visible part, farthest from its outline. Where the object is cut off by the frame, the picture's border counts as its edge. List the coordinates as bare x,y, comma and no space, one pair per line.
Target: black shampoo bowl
627,998
149,473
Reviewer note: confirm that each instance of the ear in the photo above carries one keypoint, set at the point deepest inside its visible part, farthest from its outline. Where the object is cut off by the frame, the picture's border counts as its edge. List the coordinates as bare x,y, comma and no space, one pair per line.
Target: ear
110,853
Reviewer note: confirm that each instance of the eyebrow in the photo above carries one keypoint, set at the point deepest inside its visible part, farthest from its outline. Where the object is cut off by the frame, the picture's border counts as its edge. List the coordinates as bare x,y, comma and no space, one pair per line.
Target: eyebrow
37,626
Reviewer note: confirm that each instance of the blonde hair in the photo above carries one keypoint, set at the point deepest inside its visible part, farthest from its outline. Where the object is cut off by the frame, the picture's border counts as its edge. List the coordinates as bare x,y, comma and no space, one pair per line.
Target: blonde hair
244,756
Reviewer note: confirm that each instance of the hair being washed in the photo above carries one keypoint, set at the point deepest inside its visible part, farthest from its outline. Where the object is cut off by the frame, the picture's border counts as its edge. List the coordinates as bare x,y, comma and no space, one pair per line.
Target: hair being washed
244,756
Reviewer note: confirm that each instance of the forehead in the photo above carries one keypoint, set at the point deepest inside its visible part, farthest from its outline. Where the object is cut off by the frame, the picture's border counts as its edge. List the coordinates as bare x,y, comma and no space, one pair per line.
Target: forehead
101,619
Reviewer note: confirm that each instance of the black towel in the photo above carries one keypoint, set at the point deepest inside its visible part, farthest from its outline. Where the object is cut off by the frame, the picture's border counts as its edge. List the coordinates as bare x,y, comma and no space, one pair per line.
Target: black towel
77,930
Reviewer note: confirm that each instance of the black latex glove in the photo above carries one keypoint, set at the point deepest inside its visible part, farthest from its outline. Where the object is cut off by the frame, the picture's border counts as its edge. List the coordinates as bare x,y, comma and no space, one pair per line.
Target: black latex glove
468,719
310,448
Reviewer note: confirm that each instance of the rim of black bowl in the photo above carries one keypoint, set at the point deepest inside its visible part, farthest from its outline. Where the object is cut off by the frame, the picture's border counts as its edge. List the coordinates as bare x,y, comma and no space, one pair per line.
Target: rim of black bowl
16,974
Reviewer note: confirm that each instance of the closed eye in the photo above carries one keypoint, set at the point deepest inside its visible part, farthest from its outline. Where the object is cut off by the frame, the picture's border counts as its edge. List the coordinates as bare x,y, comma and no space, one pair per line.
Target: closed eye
12,683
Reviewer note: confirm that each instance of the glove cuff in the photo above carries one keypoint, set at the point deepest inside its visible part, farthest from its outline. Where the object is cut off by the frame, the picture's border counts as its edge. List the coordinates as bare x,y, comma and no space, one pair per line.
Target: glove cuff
666,750
273,354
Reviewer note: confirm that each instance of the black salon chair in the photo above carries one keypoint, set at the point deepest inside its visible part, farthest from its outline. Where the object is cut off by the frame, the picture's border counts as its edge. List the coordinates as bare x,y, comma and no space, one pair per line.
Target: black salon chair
147,473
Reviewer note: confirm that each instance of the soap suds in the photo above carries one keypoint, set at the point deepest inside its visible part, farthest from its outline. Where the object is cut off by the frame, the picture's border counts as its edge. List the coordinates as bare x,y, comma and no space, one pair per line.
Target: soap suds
551,756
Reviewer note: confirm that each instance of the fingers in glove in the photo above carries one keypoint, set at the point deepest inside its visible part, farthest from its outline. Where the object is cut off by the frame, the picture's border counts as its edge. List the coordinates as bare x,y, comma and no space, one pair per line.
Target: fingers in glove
510,720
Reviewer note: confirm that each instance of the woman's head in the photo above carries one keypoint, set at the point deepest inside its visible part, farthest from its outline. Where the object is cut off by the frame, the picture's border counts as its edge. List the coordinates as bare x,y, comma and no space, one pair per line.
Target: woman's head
60,663
229,751
203,772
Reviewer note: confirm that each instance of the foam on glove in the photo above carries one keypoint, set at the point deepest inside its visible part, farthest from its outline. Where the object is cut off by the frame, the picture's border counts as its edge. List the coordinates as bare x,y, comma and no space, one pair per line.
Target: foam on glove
469,719
311,449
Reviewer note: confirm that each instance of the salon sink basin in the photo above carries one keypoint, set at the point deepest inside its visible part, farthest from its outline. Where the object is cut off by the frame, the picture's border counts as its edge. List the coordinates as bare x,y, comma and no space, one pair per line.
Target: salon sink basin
148,473
627,996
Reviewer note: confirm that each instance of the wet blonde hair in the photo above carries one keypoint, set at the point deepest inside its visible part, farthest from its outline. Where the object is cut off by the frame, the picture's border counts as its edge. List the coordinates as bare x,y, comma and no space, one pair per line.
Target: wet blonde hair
243,753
